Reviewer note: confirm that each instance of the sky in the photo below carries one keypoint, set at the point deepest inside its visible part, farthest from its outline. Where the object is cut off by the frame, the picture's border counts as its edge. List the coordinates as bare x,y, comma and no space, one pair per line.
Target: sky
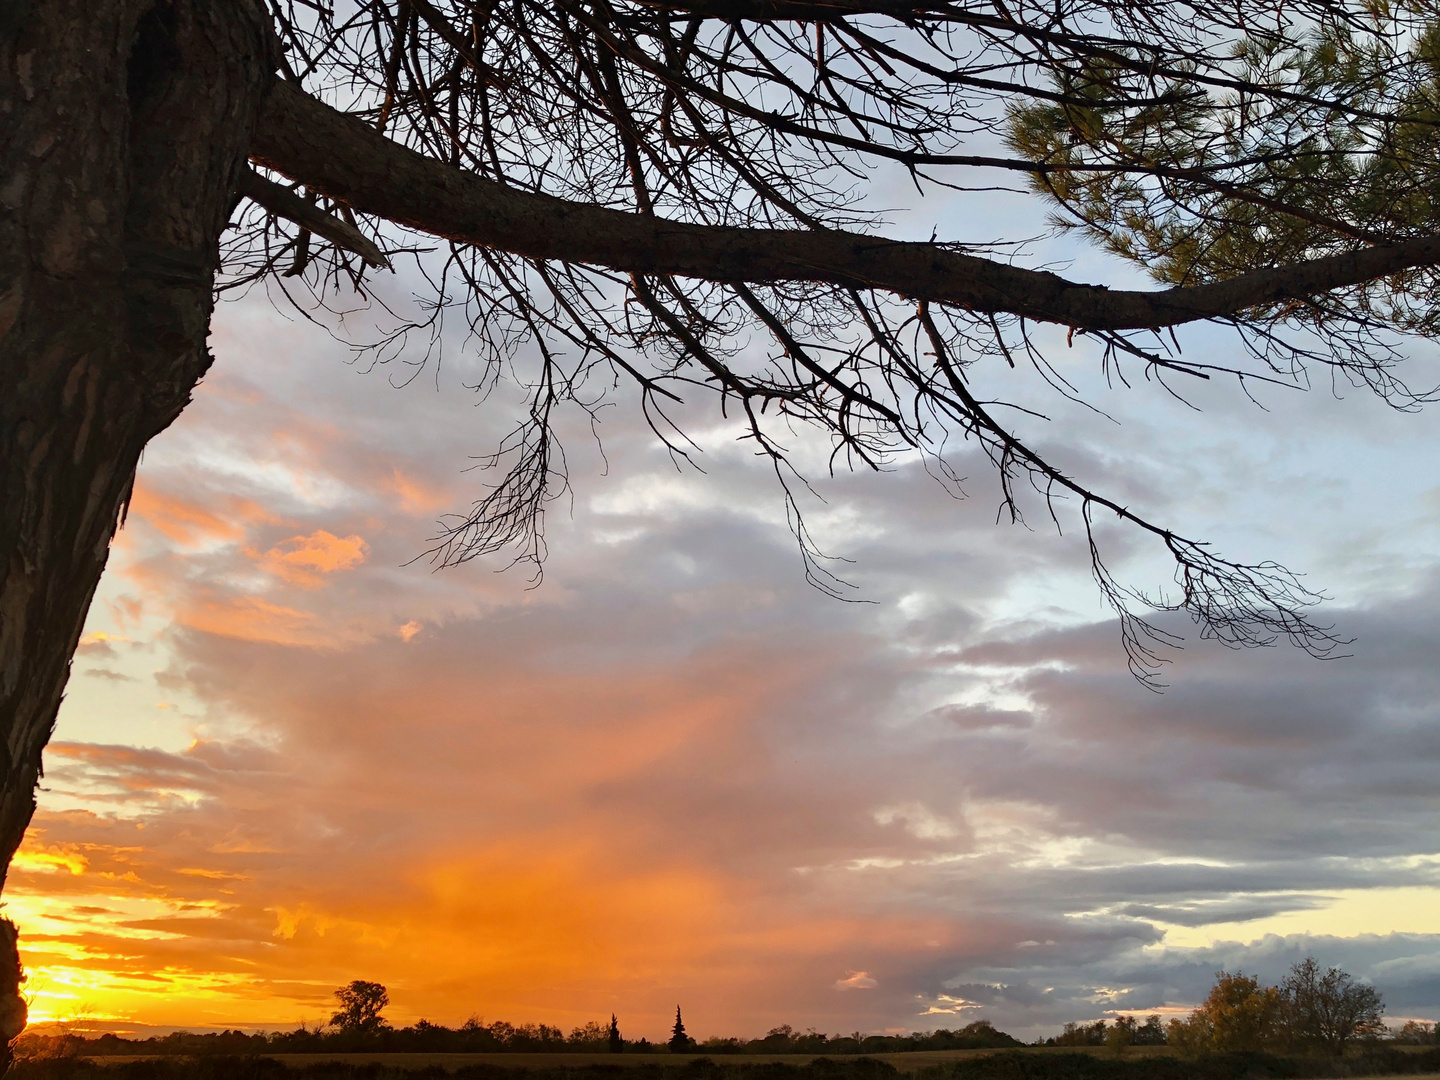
293,753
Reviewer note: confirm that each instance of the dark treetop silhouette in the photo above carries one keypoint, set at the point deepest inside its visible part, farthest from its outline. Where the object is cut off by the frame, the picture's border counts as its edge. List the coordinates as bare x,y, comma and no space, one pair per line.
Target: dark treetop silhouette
361,1004
632,188
679,1041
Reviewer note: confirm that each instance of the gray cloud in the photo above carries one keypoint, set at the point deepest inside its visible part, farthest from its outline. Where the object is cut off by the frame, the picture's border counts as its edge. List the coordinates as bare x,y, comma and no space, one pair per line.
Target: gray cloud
956,789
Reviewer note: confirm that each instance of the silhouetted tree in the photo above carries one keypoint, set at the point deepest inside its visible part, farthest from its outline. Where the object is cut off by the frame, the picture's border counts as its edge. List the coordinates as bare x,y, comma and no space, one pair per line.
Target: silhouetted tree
635,189
1328,1009
1073,1034
679,1041
1151,1032
360,1005
617,1044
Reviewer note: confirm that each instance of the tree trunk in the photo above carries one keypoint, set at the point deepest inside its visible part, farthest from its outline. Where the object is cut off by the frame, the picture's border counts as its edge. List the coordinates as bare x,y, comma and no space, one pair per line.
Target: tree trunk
123,124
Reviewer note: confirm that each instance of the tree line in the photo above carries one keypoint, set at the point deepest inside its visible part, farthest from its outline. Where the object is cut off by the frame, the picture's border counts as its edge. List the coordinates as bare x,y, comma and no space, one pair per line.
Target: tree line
1312,1009
360,1031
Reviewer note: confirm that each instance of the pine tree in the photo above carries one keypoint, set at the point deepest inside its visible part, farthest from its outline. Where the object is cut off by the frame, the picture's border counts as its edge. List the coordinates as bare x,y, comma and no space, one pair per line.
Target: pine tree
679,1041
617,1044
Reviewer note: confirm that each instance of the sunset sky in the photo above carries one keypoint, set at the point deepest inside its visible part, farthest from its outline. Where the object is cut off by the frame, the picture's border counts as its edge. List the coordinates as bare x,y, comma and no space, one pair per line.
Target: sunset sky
292,756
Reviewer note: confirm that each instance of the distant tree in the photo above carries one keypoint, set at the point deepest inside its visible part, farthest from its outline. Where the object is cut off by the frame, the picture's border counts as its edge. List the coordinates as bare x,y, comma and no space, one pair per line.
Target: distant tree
1239,1014
1150,1033
1192,1036
1121,1035
1245,1014
592,1035
679,1041
360,1006
978,1034
1415,1033
1081,1035
1328,1009
617,1044
778,1039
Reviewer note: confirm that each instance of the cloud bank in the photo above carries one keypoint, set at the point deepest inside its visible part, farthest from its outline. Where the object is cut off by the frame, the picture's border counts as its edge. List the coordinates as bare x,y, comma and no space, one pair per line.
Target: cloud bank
293,755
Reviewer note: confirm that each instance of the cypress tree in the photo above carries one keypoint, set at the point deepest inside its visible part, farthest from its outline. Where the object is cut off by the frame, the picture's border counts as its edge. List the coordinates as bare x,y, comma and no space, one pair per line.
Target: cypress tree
679,1041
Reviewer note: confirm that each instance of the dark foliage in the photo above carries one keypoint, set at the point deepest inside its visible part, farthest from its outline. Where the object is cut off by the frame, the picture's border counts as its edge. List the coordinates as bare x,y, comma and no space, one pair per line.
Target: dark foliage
679,1041
229,1067
1080,1035
361,1003
1327,1009
980,1035
1416,1033
473,1037
1150,1033
1378,1061
1375,1061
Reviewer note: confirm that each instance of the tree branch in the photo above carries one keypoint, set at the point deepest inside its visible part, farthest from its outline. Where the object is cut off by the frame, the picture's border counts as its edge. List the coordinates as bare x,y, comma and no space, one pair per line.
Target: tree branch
799,10
282,202
345,159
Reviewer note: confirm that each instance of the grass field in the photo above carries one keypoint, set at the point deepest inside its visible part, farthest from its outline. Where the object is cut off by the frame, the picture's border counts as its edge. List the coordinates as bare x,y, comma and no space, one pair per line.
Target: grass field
906,1062
679,1065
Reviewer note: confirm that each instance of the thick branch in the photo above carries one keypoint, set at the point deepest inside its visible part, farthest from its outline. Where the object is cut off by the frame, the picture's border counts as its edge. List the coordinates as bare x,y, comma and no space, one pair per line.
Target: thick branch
344,158
282,202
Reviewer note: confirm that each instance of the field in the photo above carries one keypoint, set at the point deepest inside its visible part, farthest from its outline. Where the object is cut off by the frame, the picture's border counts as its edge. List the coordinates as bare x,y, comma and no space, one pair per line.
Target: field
906,1063
1060,1063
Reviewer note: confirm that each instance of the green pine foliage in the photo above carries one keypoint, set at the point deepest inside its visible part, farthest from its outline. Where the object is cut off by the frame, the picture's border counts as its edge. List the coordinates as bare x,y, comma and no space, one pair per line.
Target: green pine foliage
1200,184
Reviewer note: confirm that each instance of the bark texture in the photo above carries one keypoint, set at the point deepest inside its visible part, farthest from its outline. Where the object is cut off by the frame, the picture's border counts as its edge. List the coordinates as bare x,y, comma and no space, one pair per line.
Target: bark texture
123,124
349,161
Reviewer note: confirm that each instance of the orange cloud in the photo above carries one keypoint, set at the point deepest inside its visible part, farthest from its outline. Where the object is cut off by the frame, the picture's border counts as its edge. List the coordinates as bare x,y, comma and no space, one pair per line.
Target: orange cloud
191,524
35,858
559,927
303,560
416,497
455,835
253,619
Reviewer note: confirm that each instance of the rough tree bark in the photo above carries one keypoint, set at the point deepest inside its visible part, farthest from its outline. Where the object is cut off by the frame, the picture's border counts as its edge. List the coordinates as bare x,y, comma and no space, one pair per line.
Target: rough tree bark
123,125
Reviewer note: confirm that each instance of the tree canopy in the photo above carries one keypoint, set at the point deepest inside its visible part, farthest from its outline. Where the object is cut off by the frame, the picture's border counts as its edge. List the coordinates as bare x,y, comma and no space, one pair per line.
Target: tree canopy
631,191
361,1004
1313,1008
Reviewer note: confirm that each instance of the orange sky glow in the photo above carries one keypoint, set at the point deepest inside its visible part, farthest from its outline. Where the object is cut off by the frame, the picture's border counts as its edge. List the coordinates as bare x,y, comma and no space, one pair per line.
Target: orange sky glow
292,756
